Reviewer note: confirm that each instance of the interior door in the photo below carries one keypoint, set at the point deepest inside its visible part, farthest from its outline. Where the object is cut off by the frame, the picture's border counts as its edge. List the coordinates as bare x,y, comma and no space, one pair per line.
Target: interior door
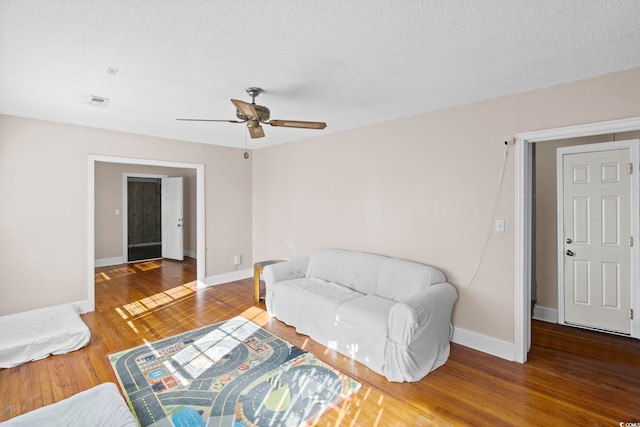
597,238
172,219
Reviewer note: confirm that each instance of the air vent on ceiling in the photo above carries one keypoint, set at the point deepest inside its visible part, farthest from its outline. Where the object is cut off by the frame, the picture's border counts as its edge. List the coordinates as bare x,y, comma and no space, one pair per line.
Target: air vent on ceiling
97,101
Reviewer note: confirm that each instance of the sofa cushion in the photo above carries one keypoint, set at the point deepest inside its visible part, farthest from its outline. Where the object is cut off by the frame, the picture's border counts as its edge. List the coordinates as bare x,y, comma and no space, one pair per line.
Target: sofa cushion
361,329
355,270
307,302
367,310
399,278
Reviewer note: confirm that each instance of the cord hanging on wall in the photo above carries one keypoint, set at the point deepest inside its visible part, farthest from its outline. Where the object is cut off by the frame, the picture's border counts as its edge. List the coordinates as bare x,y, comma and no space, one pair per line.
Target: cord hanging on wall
493,214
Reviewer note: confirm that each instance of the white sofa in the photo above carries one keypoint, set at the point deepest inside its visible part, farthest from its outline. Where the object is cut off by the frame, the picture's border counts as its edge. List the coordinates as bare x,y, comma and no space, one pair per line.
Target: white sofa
391,314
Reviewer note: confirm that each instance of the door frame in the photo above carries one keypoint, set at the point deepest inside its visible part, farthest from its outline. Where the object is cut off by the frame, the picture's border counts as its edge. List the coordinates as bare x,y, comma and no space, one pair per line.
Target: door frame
125,208
524,193
634,146
200,215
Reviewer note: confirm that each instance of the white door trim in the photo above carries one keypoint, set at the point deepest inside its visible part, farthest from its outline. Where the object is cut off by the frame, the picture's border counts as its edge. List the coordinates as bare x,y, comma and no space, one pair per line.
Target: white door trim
200,212
524,165
125,208
634,146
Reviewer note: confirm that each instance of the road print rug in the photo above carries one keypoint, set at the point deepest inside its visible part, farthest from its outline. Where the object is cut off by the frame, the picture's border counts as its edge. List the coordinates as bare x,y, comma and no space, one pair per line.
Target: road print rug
232,373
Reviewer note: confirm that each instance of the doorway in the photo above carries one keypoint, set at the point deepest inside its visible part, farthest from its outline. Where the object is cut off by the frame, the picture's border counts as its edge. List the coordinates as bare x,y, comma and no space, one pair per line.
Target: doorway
596,193
142,217
199,220
153,223
525,143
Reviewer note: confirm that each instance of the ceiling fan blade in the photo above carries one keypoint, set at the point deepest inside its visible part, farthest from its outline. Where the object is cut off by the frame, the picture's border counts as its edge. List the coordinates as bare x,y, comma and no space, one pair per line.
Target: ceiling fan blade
298,124
256,131
211,120
245,108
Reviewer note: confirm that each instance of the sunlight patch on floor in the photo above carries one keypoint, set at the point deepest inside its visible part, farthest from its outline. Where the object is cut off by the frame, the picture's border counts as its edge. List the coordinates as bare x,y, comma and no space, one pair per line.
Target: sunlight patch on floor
192,361
305,344
115,273
132,326
149,265
257,315
157,300
357,401
101,277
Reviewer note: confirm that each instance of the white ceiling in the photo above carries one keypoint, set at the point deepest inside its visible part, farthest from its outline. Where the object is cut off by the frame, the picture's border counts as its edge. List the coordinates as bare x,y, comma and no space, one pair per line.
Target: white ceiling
347,62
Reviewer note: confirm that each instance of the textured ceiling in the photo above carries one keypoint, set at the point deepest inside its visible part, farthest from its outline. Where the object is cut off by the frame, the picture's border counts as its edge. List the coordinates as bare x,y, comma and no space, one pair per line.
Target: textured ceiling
349,63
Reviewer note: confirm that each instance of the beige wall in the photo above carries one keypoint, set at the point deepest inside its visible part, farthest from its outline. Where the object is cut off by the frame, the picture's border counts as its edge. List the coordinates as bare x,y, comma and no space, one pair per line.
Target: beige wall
420,188
108,198
423,188
44,197
546,212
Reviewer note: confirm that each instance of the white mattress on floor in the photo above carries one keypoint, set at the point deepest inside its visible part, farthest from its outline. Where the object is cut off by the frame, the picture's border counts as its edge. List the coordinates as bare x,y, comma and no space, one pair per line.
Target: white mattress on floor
36,334
101,405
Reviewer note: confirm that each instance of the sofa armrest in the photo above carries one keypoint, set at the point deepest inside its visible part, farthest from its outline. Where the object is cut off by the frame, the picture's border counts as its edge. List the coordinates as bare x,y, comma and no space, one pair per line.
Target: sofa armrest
418,325
293,269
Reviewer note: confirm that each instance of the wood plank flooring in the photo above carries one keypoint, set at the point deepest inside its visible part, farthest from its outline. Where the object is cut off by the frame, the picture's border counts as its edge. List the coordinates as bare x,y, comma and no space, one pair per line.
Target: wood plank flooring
573,377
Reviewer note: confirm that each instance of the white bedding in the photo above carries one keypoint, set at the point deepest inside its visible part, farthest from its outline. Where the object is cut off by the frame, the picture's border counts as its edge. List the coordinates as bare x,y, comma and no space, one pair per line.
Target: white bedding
36,334
101,405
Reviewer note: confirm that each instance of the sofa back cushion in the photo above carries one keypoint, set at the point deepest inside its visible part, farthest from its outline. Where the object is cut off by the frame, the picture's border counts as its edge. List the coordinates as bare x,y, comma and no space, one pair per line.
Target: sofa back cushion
372,274
356,270
399,278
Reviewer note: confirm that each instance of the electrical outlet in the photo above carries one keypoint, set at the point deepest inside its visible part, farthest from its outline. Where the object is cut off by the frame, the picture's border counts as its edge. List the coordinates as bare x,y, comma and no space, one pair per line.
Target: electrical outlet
237,259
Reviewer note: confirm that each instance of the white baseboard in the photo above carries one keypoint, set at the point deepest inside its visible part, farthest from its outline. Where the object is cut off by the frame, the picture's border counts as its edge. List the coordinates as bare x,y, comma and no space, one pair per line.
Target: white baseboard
104,262
484,343
226,277
545,314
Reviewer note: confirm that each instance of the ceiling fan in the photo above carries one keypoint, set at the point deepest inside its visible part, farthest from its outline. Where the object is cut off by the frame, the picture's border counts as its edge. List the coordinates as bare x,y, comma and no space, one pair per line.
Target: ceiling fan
254,115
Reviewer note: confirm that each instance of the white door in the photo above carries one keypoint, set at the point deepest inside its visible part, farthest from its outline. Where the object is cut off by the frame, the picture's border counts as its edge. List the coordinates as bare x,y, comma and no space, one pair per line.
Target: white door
172,219
595,223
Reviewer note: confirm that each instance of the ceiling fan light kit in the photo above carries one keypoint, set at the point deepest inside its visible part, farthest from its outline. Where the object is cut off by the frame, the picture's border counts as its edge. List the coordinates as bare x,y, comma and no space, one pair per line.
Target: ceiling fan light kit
254,115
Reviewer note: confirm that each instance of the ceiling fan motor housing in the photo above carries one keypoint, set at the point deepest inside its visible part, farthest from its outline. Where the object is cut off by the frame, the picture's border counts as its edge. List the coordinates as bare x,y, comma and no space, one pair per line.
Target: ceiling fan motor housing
263,114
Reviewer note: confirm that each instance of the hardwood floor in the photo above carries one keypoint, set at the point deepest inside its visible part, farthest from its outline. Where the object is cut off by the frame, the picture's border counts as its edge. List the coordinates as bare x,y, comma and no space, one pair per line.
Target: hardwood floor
573,377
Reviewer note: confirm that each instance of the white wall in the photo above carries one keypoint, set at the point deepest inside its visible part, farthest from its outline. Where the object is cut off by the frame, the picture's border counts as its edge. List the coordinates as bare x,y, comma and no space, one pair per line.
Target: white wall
423,188
44,198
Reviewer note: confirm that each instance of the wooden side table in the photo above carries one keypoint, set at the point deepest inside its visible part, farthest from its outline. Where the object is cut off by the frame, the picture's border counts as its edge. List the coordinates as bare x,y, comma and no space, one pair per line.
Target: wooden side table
257,270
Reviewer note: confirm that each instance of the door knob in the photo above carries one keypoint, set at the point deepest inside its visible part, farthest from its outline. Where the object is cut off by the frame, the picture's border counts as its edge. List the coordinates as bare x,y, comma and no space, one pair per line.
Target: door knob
569,252
569,240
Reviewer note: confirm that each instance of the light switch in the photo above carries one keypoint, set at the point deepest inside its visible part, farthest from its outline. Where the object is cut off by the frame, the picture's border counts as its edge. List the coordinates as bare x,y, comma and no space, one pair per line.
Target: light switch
117,211
500,225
